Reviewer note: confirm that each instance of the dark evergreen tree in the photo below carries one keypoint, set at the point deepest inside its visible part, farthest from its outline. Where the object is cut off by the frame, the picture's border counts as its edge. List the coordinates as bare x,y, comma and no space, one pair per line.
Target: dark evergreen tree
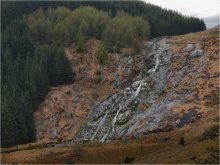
181,141
25,81
8,124
162,22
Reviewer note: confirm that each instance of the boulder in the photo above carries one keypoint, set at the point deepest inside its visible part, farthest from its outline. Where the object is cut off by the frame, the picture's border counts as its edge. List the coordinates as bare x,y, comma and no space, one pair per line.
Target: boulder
196,53
188,48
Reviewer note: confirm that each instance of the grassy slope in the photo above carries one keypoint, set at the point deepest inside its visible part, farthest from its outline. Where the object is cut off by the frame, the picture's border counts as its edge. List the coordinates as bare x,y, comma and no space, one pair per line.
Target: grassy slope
144,150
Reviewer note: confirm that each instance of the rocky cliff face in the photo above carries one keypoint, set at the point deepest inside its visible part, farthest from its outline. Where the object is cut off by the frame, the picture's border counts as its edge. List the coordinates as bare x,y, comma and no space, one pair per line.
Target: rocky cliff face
168,86
121,115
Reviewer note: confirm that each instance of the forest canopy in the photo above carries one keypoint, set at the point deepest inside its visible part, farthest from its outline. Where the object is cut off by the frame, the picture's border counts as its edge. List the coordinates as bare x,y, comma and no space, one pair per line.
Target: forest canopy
63,25
165,22
28,69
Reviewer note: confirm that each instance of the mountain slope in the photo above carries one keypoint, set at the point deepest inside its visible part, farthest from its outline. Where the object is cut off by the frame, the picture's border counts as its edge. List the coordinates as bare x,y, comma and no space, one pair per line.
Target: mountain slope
152,106
176,82
166,87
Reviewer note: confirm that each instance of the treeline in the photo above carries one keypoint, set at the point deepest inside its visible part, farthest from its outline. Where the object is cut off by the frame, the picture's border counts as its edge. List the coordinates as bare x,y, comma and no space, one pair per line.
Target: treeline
28,69
64,25
162,21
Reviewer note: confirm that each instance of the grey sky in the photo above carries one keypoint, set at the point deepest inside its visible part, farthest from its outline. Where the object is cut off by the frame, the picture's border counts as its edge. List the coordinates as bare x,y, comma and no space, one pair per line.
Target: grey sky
209,10
211,21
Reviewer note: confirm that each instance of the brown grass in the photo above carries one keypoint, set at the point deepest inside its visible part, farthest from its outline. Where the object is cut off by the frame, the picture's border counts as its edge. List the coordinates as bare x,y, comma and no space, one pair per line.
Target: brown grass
147,149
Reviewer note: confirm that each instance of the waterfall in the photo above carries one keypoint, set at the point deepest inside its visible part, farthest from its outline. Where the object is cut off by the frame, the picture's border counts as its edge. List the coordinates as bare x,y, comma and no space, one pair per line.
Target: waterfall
104,137
115,118
152,71
99,126
126,103
135,94
157,63
137,91
132,97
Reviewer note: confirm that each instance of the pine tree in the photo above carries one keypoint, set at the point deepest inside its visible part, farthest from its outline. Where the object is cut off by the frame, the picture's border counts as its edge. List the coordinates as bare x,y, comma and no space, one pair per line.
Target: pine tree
8,125
29,117
181,141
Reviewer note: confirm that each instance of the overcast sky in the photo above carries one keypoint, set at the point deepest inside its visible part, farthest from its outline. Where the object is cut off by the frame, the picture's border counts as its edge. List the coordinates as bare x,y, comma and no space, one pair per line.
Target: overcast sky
209,10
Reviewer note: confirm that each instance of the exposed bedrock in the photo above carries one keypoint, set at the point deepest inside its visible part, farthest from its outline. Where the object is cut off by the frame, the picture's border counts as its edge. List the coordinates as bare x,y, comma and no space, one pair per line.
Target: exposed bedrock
139,108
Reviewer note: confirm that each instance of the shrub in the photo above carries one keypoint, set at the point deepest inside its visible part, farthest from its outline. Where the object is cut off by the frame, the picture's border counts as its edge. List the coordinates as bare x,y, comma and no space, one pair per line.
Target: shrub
102,55
211,132
181,141
128,160
81,45
136,45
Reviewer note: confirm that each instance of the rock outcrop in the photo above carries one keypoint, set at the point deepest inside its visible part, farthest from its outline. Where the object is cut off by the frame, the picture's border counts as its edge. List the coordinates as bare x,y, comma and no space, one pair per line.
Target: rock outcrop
166,81
167,86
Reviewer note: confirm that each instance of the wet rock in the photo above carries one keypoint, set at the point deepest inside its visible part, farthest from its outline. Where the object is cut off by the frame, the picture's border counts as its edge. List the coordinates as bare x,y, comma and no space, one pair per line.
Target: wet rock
188,48
196,53
188,117
53,132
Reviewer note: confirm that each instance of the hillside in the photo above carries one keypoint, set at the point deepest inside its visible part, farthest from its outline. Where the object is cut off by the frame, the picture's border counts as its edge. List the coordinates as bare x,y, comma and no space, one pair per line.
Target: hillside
140,106
176,94
39,37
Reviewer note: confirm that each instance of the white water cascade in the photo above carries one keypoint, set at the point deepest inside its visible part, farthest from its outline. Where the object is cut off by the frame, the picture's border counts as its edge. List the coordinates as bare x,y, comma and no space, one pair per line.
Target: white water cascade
136,93
99,126
133,96
115,118
152,71
104,137
157,63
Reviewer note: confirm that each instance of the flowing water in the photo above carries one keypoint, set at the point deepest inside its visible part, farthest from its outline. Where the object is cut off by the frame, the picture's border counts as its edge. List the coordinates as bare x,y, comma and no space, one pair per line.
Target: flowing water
122,117
115,118
100,124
